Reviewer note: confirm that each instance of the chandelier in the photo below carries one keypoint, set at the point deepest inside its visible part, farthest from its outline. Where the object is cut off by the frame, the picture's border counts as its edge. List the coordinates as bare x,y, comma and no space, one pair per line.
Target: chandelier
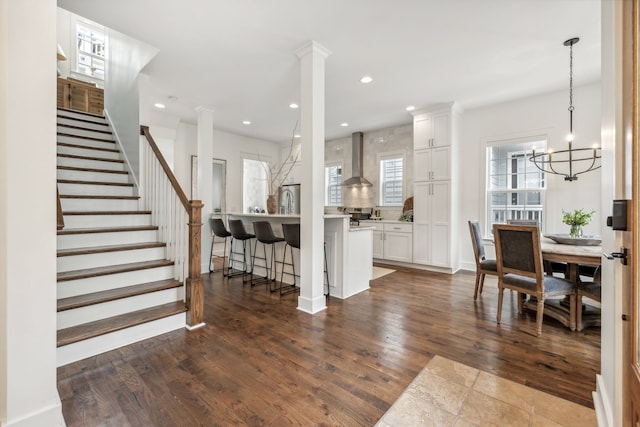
573,161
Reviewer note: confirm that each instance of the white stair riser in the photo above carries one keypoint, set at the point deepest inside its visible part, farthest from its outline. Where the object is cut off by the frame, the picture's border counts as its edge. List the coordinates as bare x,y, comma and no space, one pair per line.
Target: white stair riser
92,176
79,262
95,119
113,281
85,133
84,125
87,348
89,164
105,239
88,152
95,190
94,221
87,205
87,142
91,313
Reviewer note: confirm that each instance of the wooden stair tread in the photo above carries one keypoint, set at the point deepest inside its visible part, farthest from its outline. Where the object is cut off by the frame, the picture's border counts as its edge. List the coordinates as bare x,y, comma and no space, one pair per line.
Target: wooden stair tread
90,138
77,169
115,294
116,323
88,147
64,125
100,159
71,213
110,248
68,231
77,181
111,269
90,196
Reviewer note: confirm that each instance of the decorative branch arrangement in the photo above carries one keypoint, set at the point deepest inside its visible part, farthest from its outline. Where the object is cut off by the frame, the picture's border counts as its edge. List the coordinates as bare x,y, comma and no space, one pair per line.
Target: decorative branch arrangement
278,174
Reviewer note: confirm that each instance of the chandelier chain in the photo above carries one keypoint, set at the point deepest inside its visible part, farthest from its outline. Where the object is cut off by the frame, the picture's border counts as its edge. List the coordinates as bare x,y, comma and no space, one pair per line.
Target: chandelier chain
571,77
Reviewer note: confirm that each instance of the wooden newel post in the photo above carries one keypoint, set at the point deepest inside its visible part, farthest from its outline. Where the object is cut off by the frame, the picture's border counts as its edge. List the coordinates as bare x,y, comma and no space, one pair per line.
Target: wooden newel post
194,286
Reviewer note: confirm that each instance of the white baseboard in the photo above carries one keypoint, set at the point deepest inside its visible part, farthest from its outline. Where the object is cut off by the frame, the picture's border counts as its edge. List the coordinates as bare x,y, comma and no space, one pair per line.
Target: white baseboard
604,412
48,416
312,306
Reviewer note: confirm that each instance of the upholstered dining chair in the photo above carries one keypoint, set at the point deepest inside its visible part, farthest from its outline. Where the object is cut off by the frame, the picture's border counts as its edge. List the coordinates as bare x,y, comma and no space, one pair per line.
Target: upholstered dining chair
550,267
591,290
483,266
519,262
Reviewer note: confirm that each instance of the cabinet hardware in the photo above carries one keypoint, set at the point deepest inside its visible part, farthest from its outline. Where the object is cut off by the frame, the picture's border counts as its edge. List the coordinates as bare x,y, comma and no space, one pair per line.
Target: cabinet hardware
624,317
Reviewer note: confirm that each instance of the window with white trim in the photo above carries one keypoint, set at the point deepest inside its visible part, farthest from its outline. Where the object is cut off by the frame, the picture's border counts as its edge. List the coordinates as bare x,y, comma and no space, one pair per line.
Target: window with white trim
90,50
255,188
391,181
515,187
333,184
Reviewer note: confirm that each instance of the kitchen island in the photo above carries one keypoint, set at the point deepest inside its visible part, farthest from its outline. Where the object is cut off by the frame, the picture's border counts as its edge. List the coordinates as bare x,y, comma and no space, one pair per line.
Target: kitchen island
349,251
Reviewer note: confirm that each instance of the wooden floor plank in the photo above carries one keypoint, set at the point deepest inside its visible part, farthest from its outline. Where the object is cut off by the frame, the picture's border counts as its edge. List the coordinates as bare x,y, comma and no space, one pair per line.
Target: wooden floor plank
260,361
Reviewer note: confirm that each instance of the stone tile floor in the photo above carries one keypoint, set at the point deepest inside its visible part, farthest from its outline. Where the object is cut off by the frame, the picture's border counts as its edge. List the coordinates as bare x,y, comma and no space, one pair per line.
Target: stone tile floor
448,393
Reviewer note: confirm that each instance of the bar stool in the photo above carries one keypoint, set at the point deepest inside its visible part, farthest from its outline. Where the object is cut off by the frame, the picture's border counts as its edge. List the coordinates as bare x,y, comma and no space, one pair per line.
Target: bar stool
219,230
264,235
292,240
238,232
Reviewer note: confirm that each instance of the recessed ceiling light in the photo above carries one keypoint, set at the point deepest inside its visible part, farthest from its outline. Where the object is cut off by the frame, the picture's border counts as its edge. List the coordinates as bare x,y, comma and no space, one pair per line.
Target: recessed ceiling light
410,108
293,105
366,79
297,135
158,105
246,122
344,125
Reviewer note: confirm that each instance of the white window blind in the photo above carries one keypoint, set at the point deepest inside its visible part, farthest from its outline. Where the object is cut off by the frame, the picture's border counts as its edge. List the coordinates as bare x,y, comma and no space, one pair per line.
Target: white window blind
391,183
333,185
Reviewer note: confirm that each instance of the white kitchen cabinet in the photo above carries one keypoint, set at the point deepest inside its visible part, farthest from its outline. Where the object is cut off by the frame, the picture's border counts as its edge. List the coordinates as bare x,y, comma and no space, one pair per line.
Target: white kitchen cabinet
392,240
432,164
398,242
431,216
435,212
378,244
431,130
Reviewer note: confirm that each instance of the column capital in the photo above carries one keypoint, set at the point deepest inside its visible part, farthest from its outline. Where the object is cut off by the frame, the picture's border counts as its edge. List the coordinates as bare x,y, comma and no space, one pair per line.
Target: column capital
204,109
312,47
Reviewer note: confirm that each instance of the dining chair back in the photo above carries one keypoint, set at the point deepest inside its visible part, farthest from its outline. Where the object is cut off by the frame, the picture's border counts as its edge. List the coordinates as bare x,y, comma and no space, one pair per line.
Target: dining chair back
483,266
550,267
520,268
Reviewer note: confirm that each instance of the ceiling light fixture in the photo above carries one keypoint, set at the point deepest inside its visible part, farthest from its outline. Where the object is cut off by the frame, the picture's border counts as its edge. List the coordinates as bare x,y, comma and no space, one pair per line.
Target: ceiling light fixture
344,125
573,161
297,135
246,122
159,105
366,79
410,108
293,105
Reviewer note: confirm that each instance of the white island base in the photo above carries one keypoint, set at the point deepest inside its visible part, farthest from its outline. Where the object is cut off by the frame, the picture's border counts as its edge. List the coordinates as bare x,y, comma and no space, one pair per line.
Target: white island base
349,251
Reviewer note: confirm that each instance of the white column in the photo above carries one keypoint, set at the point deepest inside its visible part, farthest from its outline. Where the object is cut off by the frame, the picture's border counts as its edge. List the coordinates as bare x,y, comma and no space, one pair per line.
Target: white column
28,393
312,57
205,172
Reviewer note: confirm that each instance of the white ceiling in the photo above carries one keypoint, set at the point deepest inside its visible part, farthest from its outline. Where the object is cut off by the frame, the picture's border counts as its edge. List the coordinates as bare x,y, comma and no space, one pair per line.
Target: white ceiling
238,56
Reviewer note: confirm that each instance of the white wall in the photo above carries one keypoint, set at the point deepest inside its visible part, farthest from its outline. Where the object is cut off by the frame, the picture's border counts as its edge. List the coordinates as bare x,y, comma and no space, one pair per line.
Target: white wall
28,394
546,113
126,58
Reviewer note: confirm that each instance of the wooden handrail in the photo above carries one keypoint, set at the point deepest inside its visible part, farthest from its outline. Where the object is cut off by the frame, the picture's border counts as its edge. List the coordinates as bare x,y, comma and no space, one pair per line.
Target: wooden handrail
144,131
194,289
60,217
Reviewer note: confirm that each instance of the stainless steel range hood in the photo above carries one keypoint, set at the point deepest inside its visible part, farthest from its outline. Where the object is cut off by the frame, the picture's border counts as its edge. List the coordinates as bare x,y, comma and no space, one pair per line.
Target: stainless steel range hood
357,141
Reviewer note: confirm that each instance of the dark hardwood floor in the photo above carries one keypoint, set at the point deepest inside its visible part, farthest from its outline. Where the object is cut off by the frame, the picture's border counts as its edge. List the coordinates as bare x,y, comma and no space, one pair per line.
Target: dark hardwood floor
260,361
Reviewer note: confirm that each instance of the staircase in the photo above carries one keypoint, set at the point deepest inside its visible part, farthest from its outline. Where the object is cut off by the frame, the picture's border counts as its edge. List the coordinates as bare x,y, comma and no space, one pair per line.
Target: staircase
115,283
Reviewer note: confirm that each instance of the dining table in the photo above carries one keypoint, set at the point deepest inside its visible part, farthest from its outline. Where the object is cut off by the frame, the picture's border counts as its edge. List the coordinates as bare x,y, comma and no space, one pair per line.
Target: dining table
573,255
